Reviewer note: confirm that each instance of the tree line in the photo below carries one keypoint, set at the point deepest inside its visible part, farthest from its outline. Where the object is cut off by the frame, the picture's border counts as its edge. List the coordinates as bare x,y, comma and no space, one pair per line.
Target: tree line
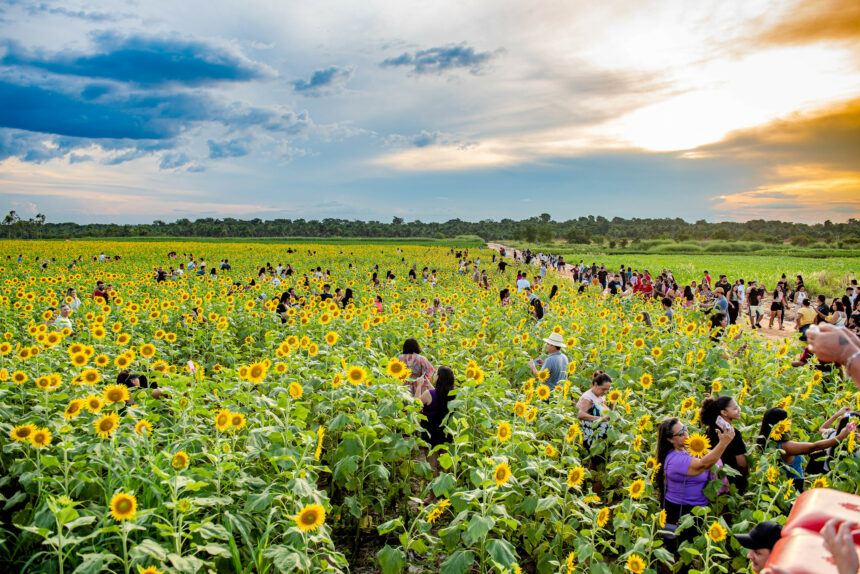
543,228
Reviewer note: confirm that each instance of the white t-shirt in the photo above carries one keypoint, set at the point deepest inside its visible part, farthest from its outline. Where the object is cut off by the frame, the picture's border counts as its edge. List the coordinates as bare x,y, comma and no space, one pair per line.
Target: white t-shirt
522,284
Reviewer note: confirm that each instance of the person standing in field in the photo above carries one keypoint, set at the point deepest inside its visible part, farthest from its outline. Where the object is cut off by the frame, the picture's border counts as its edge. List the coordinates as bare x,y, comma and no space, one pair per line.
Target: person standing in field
555,362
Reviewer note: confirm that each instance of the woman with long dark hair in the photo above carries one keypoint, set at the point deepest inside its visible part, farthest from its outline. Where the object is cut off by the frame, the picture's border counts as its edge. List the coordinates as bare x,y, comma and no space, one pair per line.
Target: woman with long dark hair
791,452
435,401
777,307
681,477
688,297
720,413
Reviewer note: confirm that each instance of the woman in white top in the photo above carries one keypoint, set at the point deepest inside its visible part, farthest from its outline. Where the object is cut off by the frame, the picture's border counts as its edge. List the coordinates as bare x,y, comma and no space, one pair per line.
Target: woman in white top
838,317
799,297
72,299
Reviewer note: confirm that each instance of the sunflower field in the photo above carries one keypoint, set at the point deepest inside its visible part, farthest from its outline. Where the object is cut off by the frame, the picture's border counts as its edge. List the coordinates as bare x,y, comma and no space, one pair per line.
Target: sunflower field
295,446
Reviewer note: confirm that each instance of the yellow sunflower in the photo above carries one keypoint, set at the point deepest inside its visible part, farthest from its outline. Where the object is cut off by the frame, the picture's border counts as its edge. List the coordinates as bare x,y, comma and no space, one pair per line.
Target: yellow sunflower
656,352
639,342
142,427
502,474
40,438
295,390
116,394
147,350
331,337
716,532
74,409
820,482
396,369
543,375
106,425
237,421
698,445
93,403
19,378
310,517
222,420
504,432
148,570
603,516
646,381
635,564
636,489
257,372
22,433
356,375
180,460
520,409
575,477
543,392
123,506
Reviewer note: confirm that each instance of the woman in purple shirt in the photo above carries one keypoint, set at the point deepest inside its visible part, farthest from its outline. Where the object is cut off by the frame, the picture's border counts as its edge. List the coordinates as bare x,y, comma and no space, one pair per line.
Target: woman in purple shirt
681,476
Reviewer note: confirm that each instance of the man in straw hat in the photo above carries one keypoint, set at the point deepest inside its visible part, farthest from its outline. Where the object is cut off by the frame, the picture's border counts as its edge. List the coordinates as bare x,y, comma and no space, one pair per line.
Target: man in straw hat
555,362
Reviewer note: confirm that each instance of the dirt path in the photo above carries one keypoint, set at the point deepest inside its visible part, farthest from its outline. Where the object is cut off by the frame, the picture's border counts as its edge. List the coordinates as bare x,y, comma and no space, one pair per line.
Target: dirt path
774,334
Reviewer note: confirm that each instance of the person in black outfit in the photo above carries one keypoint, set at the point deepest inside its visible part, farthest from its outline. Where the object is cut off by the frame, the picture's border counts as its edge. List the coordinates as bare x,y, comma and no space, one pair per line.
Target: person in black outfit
720,412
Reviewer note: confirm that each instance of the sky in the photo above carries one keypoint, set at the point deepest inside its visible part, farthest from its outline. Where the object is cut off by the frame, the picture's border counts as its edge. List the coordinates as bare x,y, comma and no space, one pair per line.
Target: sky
729,110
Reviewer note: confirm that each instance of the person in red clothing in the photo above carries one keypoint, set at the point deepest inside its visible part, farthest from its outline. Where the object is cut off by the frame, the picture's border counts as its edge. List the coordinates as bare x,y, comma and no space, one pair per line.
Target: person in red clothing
100,291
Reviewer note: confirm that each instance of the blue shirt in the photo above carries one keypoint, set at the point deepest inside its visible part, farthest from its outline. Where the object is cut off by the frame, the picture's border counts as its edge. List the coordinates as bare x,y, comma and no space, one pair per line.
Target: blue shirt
556,364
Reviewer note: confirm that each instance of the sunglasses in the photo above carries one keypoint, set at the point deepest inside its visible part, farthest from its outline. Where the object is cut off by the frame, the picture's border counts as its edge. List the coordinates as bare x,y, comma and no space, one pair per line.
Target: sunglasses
681,432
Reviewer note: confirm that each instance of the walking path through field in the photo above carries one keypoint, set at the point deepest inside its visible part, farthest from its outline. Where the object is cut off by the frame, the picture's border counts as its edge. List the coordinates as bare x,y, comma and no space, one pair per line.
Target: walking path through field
774,334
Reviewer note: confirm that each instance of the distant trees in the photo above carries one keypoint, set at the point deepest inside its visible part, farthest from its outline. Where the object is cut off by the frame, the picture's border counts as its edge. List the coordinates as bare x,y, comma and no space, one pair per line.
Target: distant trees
542,229
16,228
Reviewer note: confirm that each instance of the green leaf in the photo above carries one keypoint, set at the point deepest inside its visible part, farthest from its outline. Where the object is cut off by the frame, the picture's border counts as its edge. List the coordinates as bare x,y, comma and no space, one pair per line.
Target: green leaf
67,514
285,559
148,548
458,562
258,502
94,563
212,530
445,461
185,564
217,550
387,527
345,467
338,422
502,552
13,500
546,503
443,484
49,461
80,521
391,560
478,528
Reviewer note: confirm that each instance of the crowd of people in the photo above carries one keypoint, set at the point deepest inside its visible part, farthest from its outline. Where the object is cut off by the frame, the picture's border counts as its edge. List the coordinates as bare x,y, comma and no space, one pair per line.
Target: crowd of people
828,328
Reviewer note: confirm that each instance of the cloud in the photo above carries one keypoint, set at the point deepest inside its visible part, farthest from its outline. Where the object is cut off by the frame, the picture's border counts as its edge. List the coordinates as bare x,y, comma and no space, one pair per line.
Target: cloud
828,137
818,21
812,197
229,148
135,116
442,58
323,82
144,60
173,160
422,139
809,161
